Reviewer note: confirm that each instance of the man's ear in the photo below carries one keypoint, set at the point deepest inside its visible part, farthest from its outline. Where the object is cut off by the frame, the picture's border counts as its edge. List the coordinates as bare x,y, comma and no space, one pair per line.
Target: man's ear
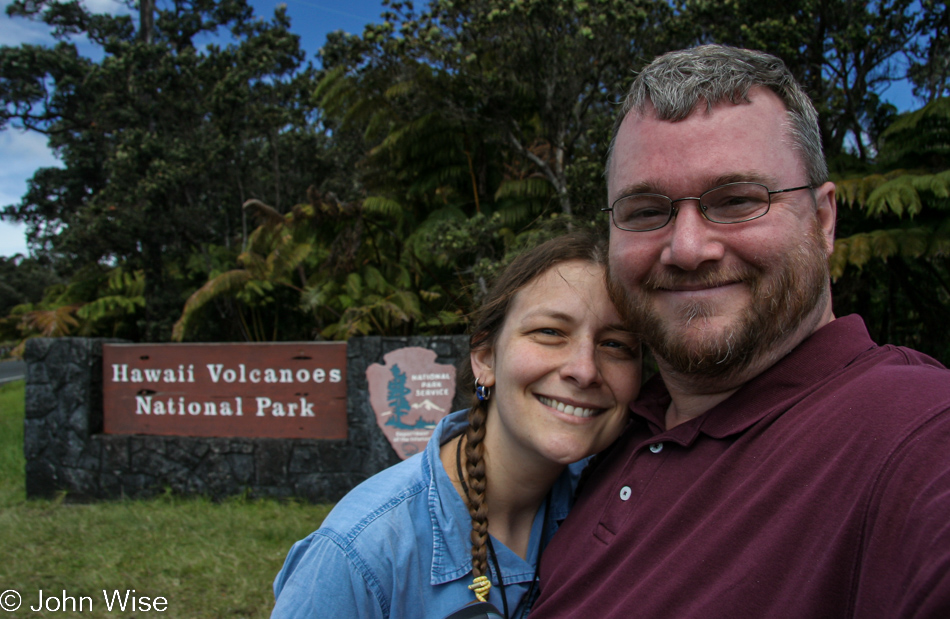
483,363
827,213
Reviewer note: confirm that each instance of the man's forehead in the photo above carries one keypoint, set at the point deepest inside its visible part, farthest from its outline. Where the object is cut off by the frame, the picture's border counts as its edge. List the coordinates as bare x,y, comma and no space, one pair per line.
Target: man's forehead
708,181
763,109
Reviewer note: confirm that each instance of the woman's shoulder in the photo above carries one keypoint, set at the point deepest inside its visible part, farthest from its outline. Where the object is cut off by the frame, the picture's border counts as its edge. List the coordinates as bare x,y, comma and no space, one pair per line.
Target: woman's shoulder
390,494
398,496
355,540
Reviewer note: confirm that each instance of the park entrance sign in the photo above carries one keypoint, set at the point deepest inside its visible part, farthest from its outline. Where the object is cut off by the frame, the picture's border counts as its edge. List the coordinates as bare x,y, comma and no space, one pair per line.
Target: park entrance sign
106,419
273,390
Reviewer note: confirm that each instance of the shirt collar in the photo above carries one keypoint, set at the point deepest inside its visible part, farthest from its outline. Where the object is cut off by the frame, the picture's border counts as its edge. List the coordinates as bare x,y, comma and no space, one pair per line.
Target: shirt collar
451,555
790,380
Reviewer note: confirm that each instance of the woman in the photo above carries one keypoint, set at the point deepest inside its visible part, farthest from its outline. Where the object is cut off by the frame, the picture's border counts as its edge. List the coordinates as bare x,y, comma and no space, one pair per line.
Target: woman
553,370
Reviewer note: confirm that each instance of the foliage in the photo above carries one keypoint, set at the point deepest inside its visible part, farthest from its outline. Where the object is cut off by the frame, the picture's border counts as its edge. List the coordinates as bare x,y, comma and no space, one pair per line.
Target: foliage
95,302
263,199
23,280
454,116
892,255
159,139
341,270
207,559
272,258
929,68
843,53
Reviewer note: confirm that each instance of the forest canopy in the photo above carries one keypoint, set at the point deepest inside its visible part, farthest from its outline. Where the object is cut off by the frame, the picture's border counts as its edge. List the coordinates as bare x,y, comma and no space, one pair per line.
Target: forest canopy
225,192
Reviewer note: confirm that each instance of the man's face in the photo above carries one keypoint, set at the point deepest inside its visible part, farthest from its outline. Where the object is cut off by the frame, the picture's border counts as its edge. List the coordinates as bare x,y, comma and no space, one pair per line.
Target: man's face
713,299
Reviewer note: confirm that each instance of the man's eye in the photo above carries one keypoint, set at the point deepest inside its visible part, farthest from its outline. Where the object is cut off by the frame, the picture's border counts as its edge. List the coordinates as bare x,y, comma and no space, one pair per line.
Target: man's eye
735,201
646,213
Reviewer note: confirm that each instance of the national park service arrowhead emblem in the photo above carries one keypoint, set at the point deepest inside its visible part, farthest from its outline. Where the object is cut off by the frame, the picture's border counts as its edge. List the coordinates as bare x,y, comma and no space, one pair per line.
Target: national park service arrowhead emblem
410,393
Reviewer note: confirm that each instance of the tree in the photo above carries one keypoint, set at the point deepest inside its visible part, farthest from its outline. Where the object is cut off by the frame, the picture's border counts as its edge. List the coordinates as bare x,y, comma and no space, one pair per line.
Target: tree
930,52
892,256
396,392
23,280
162,142
844,54
96,301
490,99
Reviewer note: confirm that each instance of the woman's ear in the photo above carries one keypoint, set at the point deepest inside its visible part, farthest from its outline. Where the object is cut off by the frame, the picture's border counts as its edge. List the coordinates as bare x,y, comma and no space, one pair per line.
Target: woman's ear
483,363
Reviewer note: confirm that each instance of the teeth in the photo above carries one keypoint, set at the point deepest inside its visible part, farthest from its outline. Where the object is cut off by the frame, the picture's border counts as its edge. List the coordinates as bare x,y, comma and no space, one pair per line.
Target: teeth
575,411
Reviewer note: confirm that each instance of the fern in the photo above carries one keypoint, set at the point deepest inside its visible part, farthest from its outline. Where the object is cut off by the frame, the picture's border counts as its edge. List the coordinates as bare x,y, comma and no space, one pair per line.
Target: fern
227,283
383,206
858,249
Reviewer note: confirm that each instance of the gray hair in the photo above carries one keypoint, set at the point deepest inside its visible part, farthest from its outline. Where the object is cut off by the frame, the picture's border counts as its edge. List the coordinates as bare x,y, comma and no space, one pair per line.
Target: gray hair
674,83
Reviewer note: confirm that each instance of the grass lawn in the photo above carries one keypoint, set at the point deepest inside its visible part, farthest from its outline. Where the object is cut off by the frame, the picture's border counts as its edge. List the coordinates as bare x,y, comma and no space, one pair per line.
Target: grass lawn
206,559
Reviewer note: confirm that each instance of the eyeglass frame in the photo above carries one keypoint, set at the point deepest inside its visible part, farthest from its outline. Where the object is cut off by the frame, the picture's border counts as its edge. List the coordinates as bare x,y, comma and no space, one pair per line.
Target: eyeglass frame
702,208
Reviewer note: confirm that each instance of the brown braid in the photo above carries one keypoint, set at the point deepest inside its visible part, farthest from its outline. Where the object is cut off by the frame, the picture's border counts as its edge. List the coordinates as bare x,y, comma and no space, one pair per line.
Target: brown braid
487,323
477,485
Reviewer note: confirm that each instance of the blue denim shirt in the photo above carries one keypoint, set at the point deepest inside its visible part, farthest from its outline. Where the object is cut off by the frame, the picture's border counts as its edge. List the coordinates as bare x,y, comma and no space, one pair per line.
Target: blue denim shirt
398,545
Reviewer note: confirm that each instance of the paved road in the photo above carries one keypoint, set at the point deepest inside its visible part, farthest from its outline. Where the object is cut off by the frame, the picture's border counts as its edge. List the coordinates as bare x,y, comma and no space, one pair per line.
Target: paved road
12,370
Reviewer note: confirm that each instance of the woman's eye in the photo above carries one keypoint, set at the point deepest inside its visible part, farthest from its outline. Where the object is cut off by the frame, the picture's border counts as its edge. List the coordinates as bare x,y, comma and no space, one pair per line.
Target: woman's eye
619,347
547,331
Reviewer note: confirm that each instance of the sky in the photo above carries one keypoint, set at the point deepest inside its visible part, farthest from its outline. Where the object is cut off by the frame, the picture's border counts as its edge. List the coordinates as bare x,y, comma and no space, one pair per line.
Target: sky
22,153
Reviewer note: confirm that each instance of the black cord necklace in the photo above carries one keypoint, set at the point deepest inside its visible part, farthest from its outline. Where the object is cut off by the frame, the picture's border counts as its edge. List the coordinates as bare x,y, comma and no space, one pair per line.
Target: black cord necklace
491,549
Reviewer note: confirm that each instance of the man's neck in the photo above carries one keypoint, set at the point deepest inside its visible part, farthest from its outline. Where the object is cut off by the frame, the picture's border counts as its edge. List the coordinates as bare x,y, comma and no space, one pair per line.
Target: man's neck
694,394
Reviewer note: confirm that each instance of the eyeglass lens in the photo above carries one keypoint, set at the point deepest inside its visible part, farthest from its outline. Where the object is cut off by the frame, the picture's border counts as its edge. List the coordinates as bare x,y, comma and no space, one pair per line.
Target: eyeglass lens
730,203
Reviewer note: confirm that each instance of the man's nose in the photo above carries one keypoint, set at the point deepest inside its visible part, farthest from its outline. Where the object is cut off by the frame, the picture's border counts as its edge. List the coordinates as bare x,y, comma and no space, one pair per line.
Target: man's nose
692,239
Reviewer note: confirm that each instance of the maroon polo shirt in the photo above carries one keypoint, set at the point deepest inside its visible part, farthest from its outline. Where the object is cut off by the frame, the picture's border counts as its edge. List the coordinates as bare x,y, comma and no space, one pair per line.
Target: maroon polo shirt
820,489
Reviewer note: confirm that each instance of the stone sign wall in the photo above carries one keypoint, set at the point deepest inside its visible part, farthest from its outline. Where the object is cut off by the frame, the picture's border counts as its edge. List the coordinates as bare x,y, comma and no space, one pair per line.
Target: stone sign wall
66,450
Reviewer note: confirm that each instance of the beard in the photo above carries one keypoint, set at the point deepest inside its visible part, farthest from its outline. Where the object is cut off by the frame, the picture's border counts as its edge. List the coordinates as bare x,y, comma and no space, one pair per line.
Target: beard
783,296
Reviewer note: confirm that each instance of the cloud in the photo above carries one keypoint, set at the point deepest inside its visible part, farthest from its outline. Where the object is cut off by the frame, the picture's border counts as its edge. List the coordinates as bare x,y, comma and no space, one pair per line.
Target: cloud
23,154
19,30
16,31
12,239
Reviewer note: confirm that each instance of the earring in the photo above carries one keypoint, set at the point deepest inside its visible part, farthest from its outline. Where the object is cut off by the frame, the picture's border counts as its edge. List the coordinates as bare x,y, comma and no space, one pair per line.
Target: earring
482,392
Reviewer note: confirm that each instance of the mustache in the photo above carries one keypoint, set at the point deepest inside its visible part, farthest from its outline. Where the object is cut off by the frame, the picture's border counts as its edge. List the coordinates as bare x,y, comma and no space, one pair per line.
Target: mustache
709,277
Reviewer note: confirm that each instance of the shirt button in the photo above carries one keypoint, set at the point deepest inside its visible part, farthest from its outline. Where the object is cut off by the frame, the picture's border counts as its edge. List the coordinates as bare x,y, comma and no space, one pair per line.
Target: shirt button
656,447
625,493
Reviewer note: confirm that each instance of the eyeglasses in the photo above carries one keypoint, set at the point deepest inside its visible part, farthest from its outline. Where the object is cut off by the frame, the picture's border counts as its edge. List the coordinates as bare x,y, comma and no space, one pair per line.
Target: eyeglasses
731,203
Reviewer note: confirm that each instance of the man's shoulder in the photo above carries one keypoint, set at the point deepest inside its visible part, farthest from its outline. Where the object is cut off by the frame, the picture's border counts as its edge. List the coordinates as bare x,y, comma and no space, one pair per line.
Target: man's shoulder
895,372
882,398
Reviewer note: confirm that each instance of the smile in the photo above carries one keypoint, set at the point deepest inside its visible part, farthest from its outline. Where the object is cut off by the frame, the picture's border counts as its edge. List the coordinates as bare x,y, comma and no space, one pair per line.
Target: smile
567,409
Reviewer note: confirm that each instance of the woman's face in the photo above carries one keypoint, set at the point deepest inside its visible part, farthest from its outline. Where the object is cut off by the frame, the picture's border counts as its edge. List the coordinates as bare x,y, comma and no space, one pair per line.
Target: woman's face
563,369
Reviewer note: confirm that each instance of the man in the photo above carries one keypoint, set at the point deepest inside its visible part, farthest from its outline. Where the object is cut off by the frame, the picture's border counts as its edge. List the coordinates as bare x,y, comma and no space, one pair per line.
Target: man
785,465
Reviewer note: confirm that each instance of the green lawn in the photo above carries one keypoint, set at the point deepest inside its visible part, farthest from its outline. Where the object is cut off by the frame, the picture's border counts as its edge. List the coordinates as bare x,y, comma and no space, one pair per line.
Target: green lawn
206,559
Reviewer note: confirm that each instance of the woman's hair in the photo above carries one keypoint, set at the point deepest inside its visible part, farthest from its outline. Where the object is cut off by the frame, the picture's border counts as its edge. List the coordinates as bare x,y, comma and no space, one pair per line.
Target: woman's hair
487,323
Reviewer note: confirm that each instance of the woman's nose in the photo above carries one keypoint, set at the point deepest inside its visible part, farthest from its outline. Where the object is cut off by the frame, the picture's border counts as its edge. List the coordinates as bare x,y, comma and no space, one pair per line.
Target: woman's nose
581,365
